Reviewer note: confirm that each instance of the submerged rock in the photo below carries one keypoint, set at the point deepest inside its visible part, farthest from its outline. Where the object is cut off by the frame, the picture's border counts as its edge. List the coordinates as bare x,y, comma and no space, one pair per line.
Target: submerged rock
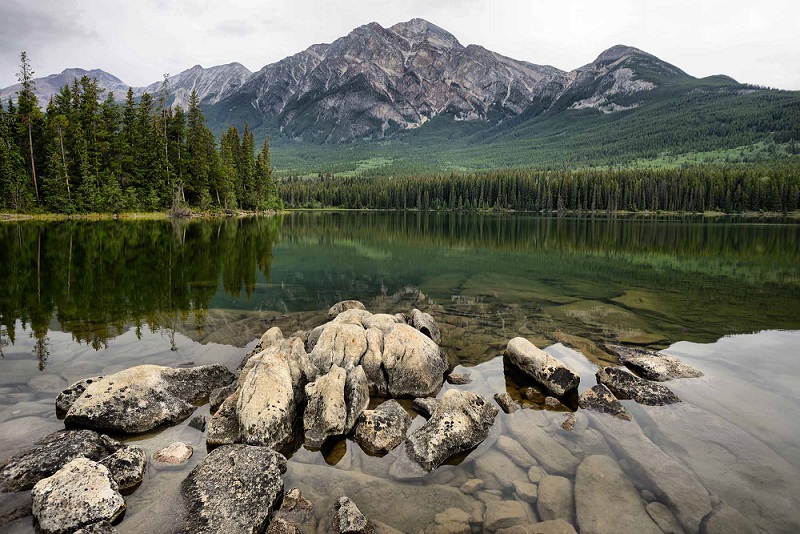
604,496
234,489
348,519
555,499
460,422
505,401
51,453
504,514
459,379
382,429
79,494
295,510
654,365
541,367
600,399
627,386
552,455
144,397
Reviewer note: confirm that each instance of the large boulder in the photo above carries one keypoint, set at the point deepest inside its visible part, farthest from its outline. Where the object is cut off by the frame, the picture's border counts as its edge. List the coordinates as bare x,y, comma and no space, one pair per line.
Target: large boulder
627,386
144,397
49,454
414,364
604,495
341,344
326,411
600,399
81,493
382,429
234,489
460,422
539,366
654,365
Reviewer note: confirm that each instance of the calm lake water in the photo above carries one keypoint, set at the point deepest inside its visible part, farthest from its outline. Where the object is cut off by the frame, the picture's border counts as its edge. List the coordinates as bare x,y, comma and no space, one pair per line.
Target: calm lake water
79,299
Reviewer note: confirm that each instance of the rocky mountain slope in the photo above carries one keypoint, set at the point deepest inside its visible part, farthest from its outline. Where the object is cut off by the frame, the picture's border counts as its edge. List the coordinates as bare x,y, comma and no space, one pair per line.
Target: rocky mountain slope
52,84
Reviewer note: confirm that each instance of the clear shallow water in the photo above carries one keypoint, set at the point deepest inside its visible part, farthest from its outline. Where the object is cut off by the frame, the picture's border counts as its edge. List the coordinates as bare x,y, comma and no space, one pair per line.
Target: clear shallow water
80,299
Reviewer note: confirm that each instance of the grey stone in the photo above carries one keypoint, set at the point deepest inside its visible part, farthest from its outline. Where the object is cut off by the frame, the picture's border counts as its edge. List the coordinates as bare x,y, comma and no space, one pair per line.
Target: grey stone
341,344
425,405
554,457
103,527
51,453
505,401
144,397
627,386
279,525
460,422
515,452
555,499
326,412
414,364
459,379
654,365
662,517
81,493
382,429
348,519
497,470
218,395
223,427
372,362
541,367
344,305
554,526
234,489
604,495
295,509
600,399
356,396
198,422
127,466
727,520
174,453
71,394
504,514
424,323
526,491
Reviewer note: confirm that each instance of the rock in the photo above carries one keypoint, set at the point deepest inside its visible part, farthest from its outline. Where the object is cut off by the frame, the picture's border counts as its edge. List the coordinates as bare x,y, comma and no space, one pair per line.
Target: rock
555,500
103,527
551,402
627,386
382,429
271,337
497,470
664,519
472,485
218,395
223,427
295,509
551,455
49,454
460,422
234,489
424,323
174,453
536,474
425,405
79,494
313,337
198,422
451,521
372,362
600,399
541,367
127,466
569,422
515,452
71,394
348,519
356,396
526,491
326,412
604,495
554,526
144,397
505,401
459,379
654,365
266,407
414,364
278,525
672,483
344,305
341,344
504,514
727,520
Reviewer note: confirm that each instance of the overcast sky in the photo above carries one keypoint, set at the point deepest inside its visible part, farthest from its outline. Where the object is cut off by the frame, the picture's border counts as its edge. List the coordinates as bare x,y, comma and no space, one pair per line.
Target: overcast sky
137,41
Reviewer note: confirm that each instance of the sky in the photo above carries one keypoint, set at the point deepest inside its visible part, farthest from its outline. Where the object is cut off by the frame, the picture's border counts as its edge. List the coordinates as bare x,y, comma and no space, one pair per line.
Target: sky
138,41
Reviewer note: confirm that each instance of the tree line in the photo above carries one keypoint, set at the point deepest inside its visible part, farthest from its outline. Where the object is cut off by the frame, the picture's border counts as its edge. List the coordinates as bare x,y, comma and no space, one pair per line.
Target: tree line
730,189
89,153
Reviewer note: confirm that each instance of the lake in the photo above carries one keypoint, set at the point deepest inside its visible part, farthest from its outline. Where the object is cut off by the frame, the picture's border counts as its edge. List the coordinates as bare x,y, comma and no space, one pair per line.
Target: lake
80,298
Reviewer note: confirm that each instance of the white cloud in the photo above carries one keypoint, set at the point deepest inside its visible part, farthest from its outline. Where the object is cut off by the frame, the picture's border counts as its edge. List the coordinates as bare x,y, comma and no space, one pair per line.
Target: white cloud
138,41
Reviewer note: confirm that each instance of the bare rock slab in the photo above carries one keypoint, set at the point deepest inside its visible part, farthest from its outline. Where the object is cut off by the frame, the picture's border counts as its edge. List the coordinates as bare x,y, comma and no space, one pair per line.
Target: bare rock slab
541,367
628,386
234,489
382,429
79,494
604,496
654,365
144,397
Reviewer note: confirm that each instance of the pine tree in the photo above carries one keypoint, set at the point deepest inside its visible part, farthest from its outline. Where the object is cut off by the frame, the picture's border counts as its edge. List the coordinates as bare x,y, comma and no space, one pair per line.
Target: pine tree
28,112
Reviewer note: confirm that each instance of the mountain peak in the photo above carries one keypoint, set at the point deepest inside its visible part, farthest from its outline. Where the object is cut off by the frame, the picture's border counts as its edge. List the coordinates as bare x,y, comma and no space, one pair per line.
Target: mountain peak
418,29
617,52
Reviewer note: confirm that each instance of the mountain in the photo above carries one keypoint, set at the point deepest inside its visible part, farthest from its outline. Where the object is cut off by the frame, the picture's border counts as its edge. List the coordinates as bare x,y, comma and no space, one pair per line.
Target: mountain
52,84
212,84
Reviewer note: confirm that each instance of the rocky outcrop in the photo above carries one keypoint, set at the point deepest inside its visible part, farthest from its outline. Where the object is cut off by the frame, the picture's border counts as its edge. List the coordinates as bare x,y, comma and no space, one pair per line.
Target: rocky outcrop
600,399
460,422
382,429
539,366
603,495
144,397
79,494
627,386
234,489
51,453
654,365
